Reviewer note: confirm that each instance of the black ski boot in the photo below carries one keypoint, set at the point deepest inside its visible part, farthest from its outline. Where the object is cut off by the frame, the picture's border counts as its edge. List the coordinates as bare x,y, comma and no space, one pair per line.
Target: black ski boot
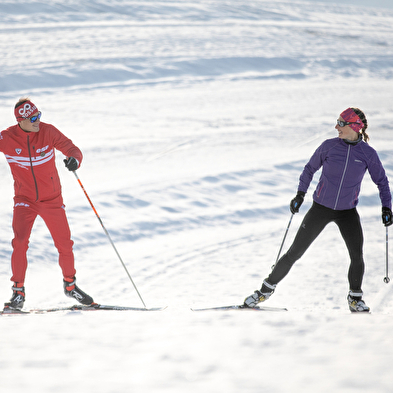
355,302
260,296
18,297
71,290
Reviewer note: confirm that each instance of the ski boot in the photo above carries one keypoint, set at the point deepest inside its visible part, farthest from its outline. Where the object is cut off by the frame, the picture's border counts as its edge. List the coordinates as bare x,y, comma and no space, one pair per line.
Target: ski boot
260,296
355,302
18,297
72,290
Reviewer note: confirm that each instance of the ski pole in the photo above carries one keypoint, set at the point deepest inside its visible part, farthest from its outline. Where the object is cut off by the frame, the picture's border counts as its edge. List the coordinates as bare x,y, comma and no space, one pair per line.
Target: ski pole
387,279
107,234
283,240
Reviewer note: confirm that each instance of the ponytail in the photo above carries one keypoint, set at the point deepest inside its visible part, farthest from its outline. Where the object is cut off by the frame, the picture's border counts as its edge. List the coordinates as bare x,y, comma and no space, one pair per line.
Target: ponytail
362,117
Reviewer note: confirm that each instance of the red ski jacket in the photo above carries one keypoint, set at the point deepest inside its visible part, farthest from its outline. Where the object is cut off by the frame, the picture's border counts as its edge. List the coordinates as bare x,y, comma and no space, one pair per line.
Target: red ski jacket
31,156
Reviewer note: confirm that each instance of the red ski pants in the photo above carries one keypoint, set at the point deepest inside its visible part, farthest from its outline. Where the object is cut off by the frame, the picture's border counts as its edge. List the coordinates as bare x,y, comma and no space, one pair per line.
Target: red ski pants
54,216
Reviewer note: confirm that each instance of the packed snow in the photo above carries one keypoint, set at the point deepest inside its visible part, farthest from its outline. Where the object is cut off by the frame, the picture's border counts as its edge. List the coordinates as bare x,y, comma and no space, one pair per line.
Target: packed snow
195,120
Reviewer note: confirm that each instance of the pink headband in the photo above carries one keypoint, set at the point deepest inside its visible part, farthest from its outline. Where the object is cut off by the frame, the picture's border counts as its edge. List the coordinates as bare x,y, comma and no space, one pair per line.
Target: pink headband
350,116
25,110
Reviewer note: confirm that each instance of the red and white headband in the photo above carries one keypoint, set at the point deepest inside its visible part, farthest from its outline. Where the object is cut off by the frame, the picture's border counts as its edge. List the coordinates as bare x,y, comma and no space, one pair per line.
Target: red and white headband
25,110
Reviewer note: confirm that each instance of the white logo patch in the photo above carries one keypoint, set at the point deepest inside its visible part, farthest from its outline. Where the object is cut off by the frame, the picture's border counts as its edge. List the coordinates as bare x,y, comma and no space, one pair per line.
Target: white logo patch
43,149
18,151
22,204
27,110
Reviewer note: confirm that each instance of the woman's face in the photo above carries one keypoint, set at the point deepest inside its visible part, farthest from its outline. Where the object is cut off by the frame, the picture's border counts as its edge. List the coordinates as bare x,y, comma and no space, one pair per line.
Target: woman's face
346,132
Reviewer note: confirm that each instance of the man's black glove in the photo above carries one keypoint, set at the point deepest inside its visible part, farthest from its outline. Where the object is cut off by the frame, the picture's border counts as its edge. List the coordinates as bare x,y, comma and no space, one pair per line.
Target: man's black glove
71,163
387,216
297,202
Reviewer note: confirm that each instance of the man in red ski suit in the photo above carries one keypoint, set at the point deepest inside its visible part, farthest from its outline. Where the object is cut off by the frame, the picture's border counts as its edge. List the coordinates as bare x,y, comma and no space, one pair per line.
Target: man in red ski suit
29,148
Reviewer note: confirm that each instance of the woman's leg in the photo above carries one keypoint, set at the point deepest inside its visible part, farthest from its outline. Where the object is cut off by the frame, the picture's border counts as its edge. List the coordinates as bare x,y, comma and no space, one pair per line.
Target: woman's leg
352,233
313,223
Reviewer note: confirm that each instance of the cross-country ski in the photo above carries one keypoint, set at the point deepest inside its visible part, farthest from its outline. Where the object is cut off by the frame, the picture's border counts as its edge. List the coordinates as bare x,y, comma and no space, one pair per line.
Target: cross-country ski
241,308
77,307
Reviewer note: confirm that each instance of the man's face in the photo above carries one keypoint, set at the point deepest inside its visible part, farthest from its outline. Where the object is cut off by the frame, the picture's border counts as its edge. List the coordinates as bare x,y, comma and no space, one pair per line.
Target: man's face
32,123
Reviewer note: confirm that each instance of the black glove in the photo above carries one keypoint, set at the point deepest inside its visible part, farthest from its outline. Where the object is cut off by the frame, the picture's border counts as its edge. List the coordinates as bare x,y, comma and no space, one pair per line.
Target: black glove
387,216
71,163
297,202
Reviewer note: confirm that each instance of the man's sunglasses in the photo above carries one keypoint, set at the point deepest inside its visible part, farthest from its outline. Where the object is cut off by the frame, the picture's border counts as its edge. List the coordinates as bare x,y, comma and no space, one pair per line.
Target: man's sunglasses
33,119
344,123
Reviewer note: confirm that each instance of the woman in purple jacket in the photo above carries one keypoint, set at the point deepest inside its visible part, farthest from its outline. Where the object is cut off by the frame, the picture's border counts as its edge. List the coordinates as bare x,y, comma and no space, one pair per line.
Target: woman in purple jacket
344,160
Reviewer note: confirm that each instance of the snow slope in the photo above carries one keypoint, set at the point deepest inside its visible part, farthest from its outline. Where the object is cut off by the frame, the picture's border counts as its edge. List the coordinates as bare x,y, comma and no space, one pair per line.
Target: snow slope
195,120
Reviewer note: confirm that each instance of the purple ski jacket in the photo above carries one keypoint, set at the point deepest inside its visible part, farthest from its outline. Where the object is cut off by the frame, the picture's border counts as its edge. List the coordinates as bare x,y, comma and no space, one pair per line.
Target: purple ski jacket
343,167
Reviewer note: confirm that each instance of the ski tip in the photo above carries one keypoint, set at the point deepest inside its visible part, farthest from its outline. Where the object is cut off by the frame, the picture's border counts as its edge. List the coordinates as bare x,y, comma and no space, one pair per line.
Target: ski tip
157,308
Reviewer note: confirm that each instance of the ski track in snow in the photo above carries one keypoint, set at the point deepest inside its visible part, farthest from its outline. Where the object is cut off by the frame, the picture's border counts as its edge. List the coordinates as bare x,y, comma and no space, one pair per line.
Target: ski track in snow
195,120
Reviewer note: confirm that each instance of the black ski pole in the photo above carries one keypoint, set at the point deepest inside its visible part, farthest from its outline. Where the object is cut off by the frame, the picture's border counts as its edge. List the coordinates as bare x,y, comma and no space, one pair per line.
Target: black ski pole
387,279
107,234
283,240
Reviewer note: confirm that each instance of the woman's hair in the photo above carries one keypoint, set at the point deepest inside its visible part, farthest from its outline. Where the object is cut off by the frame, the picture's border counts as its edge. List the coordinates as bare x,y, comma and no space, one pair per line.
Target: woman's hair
362,117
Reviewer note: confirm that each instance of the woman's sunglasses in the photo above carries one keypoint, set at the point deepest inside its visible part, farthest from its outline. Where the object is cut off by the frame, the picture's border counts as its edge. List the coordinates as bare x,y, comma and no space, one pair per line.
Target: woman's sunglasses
33,119
344,123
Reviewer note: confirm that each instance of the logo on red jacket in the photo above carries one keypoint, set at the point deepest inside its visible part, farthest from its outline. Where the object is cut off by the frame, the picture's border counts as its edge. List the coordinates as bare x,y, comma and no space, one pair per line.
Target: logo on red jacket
18,151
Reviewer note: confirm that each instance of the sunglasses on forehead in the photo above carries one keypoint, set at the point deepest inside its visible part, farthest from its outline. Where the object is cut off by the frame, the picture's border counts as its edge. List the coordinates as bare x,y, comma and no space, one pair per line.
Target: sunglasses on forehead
33,119
344,123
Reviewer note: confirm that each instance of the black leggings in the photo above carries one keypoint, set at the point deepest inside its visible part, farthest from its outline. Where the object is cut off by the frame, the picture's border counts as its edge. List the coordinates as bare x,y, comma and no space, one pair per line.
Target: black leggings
314,222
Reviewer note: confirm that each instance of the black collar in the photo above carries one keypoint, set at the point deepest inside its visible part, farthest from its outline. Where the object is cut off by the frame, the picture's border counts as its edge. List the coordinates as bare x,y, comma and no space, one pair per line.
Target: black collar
360,138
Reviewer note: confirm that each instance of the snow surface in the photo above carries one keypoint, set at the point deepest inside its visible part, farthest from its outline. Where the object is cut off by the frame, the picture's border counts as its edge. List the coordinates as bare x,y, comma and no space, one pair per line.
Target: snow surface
195,120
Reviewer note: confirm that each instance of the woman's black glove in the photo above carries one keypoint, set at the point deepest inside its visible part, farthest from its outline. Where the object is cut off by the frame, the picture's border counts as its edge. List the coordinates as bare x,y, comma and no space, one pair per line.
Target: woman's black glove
297,202
387,216
71,163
